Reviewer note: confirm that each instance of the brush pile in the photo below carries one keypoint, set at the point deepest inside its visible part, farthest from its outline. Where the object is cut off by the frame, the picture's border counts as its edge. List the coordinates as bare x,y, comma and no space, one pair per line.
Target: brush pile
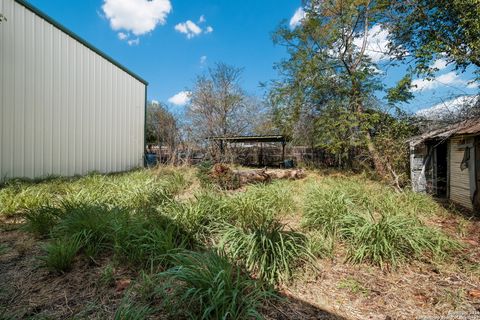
229,179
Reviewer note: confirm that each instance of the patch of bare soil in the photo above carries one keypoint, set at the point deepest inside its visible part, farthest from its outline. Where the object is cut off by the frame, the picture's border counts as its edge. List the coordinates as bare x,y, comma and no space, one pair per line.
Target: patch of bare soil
28,291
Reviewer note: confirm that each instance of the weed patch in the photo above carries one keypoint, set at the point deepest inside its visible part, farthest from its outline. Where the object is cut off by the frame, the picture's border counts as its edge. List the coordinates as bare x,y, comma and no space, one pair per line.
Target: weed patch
379,226
212,288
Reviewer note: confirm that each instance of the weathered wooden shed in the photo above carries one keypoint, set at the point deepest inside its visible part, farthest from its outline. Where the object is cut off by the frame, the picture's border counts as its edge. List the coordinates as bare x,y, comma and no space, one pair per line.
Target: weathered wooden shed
446,163
66,108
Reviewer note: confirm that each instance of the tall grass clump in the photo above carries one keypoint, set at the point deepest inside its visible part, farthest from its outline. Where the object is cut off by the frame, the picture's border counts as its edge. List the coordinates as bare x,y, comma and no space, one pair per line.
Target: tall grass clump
207,286
326,210
40,221
141,239
267,249
132,311
18,197
136,190
389,240
198,214
377,224
60,253
260,203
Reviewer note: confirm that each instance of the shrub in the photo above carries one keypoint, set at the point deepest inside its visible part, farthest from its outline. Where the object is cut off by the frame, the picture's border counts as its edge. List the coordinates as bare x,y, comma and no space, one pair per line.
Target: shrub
207,286
19,197
152,248
60,254
267,249
224,177
173,182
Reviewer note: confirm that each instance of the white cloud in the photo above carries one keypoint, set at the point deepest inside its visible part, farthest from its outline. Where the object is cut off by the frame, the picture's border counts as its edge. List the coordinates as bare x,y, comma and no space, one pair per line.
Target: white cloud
122,35
447,79
473,85
377,43
203,60
180,99
155,102
134,42
447,108
209,29
136,16
189,28
202,19
440,64
297,18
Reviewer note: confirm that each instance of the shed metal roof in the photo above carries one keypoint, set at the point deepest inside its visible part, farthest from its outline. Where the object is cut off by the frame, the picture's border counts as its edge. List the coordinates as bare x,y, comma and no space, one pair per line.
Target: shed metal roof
467,127
58,25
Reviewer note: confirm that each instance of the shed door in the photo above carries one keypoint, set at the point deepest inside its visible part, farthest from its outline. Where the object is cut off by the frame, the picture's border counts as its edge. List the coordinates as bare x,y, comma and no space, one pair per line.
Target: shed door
476,196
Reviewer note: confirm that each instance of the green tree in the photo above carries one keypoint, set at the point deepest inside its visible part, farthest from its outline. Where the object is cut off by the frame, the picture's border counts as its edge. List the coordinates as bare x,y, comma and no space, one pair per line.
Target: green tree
330,78
162,128
425,30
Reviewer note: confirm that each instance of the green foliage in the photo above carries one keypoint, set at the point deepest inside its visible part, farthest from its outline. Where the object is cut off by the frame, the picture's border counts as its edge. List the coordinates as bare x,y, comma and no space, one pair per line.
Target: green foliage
207,286
3,249
327,95
378,224
266,249
430,29
144,240
391,239
107,276
353,286
161,126
209,208
259,203
131,311
40,221
199,214
60,254
401,92
136,190
203,170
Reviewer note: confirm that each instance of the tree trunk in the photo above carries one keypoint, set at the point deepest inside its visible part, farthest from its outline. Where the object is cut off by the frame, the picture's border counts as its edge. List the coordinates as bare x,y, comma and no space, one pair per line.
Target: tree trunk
357,102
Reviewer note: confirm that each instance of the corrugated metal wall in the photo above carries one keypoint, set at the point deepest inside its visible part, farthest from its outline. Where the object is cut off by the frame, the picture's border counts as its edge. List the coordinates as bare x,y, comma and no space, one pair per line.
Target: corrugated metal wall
64,109
460,191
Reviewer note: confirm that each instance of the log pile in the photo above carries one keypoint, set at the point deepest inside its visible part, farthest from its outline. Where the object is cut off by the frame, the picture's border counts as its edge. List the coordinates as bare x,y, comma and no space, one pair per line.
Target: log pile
233,179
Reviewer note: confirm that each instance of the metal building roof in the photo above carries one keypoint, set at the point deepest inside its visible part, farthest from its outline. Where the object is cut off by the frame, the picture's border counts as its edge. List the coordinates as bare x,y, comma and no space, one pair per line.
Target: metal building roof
471,126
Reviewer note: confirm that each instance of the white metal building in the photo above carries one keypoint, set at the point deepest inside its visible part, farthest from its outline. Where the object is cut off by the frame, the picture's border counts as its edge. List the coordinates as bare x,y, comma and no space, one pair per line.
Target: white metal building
66,108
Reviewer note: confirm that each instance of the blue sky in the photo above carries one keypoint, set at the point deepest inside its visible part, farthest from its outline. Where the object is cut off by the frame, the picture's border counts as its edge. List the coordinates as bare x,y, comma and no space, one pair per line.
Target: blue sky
169,42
